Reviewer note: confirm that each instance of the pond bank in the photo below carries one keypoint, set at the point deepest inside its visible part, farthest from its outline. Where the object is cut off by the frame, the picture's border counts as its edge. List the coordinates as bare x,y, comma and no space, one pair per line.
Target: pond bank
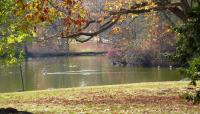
29,54
157,97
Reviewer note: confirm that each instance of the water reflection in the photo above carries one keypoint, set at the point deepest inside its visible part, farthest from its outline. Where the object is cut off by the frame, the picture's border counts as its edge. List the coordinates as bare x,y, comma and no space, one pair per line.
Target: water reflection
62,72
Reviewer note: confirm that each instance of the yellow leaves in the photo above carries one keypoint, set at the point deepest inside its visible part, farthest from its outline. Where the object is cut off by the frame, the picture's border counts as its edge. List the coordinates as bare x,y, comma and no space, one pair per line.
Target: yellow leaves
16,39
36,11
11,39
146,7
77,6
115,30
137,1
150,6
114,6
13,60
167,28
122,18
29,16
133,15
33,33
153,4
78,10
1,49
117,5
83,13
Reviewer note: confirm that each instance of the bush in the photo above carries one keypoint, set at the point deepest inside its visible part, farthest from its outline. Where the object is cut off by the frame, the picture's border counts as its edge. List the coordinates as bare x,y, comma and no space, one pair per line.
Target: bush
193,71
130,57
195,98
188,43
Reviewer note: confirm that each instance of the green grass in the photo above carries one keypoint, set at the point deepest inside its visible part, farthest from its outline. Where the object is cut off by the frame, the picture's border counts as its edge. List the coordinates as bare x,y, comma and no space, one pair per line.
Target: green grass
159,97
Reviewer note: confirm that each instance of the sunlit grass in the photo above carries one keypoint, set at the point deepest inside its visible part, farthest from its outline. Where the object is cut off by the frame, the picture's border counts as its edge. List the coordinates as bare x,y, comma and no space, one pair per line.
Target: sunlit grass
126,98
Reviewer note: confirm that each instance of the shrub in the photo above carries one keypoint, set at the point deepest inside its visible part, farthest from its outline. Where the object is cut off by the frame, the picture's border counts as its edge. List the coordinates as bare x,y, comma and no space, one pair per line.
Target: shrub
193,71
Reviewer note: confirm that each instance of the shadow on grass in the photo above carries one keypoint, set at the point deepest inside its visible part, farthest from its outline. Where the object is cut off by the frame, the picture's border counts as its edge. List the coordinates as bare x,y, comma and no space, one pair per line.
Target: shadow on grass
12,111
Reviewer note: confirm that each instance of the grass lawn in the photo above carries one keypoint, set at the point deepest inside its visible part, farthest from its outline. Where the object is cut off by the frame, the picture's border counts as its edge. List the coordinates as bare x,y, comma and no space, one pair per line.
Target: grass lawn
159,97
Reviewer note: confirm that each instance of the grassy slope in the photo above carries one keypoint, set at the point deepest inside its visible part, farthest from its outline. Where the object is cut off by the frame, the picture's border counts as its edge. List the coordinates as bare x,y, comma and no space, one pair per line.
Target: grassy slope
139,98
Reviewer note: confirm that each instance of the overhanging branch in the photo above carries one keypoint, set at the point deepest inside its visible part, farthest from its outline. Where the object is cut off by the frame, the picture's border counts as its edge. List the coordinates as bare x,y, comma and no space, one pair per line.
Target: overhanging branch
144,10
104,27
115,15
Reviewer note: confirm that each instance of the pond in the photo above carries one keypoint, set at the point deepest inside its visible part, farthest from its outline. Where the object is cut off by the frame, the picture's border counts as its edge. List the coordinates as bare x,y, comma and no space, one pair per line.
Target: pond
65,72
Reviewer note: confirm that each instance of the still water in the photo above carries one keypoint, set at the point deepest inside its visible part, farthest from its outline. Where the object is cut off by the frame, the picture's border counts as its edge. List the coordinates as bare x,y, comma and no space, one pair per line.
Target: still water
64,72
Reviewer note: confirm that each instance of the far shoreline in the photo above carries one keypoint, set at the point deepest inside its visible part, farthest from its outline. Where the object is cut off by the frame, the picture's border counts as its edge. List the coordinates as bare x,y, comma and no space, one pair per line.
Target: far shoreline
35,55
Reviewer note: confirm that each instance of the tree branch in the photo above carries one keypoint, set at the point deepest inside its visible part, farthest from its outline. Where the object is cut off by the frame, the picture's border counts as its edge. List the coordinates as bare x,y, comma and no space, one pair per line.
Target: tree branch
104,27
58,8
179,13
139,11
185,5
115,15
